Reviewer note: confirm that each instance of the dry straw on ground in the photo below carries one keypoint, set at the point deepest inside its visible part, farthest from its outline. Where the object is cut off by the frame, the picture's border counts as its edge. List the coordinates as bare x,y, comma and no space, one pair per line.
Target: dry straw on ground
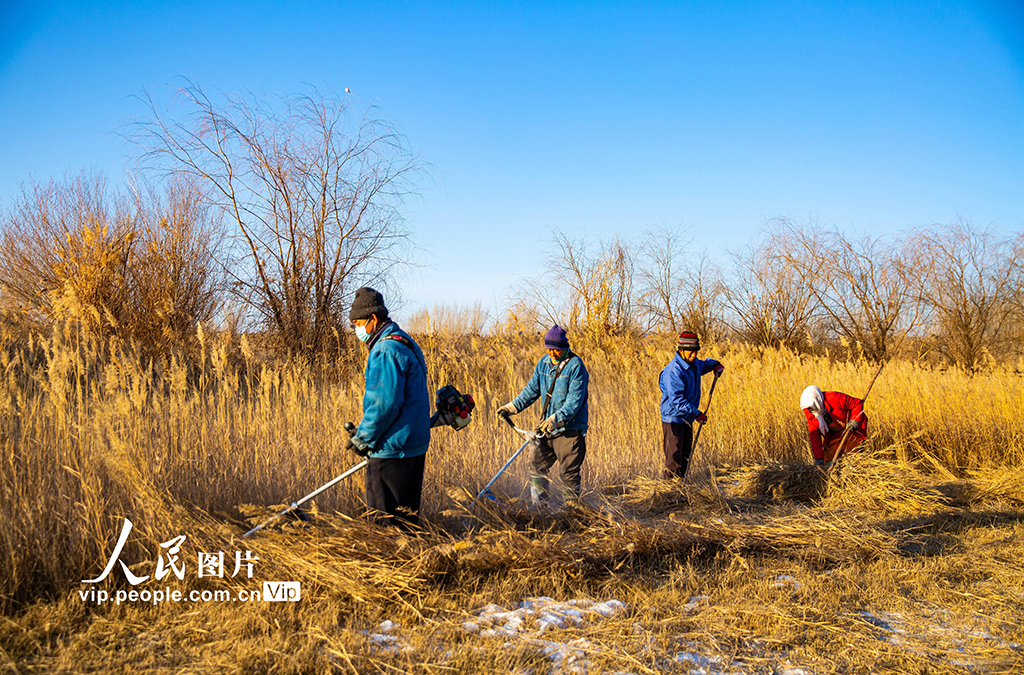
92,434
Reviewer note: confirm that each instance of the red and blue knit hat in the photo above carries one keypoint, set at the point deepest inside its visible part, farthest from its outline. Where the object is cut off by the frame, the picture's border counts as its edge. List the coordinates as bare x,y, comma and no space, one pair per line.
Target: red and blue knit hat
688,342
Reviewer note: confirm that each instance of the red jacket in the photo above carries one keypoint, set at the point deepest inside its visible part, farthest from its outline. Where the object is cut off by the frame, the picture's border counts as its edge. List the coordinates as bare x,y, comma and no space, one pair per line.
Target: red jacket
839,410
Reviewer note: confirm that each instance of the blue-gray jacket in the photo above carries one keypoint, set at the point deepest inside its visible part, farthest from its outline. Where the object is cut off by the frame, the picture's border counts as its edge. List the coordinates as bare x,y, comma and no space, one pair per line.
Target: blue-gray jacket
569,398
680,388
396,406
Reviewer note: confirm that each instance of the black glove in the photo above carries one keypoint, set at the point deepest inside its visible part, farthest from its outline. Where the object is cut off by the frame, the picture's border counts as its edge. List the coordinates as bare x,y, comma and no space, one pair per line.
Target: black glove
354,443
442,418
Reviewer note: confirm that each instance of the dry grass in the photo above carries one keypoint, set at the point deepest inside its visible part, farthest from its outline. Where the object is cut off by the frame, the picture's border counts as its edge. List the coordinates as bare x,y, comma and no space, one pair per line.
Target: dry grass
906,559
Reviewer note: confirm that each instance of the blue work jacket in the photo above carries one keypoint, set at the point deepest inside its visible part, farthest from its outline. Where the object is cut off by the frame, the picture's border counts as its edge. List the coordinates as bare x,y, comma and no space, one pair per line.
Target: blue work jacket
569,398
680,388
396,405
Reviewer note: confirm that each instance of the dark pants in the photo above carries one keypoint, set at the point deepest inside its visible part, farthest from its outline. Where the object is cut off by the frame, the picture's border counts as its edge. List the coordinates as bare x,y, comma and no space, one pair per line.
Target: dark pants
678,441
393,488
568,451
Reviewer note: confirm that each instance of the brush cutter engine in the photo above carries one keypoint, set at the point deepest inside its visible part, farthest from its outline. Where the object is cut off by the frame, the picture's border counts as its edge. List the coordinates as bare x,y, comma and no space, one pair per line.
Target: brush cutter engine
454,409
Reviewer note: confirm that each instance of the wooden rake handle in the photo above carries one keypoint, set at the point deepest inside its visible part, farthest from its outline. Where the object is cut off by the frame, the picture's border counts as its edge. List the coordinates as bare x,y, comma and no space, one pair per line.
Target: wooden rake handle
696,437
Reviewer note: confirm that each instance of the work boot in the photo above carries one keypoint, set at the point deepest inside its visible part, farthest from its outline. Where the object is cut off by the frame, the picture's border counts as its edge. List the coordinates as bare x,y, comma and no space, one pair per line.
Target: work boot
571,490
538,489
570,498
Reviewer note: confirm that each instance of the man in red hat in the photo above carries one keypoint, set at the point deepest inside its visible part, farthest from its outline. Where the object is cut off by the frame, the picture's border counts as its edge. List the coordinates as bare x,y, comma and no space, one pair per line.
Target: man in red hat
680,401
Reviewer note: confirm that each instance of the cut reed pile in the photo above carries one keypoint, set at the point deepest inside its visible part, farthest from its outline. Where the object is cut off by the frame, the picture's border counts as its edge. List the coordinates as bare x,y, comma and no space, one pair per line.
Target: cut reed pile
870,481
638,528
779,482
747,561
93,433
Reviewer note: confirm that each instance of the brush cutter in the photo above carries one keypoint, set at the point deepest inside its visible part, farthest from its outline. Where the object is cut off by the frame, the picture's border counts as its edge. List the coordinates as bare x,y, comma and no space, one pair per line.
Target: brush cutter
296,504
453,409
531,437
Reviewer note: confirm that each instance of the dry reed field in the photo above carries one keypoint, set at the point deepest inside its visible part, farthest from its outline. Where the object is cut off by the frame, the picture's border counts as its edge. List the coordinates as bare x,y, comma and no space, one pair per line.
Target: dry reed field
906,559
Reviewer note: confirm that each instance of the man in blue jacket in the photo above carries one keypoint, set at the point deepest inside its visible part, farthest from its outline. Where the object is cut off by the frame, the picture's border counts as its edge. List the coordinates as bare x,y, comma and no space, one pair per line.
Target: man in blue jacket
560,381
395,430
680,401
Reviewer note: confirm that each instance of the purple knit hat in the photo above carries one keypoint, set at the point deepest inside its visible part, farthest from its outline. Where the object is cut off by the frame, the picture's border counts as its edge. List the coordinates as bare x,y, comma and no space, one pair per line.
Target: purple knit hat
555,338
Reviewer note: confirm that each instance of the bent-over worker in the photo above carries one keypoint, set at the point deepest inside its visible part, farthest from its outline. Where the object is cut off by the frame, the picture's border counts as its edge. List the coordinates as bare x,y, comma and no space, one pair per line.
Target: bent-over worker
828,414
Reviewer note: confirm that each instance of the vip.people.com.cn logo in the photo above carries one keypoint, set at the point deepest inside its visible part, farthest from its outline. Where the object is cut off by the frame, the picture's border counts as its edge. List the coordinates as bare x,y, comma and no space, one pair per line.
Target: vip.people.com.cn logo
209,565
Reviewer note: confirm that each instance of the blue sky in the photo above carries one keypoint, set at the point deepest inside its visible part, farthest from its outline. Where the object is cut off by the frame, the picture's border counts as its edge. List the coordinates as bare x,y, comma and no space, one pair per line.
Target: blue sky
597,118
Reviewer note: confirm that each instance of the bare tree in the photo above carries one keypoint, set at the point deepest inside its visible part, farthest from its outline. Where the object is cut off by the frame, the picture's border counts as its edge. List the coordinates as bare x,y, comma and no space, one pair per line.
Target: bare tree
174,279
972,285
770,304
866,287
706,290
312,195
662,291
1016,336
678,292
589,287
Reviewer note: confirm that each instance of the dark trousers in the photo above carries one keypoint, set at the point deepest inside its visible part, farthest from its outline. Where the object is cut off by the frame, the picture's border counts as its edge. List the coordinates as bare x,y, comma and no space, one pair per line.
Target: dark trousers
678,441
567,451
393,489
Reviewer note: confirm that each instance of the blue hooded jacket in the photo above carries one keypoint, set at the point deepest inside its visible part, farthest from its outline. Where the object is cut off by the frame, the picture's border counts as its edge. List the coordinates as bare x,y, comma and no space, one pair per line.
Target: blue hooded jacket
569,398
396,405
680,388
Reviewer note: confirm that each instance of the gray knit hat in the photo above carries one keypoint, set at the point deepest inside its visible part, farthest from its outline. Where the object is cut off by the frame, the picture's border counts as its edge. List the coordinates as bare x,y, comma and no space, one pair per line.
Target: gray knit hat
368,301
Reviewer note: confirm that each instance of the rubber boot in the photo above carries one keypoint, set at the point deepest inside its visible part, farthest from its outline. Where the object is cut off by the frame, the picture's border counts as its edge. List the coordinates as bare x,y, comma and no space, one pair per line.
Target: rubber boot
538,489
571,487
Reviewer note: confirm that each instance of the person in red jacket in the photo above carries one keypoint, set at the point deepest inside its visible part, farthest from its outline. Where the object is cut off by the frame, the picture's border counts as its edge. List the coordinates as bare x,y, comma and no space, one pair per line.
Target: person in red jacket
828,414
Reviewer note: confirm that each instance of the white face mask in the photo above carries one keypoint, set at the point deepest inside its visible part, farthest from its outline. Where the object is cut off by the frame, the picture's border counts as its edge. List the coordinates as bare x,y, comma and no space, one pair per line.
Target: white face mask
362,334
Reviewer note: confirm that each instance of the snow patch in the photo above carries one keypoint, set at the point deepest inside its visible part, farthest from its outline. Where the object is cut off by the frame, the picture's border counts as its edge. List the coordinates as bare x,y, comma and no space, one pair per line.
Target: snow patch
696,601
787,581
918,636
536,615
530,619
383,639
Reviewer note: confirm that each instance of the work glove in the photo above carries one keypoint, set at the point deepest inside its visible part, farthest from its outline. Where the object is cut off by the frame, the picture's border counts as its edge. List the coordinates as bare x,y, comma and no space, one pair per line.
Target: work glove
355,444
548,426
443,418
507,410
359,446
719,369
701,417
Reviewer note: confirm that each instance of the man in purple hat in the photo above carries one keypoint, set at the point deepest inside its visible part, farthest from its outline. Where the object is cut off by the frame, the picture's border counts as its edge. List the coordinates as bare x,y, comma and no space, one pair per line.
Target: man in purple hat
560,380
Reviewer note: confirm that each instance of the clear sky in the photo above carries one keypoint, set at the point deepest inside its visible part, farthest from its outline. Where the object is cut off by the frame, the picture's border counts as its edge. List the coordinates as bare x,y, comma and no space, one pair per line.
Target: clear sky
598,117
